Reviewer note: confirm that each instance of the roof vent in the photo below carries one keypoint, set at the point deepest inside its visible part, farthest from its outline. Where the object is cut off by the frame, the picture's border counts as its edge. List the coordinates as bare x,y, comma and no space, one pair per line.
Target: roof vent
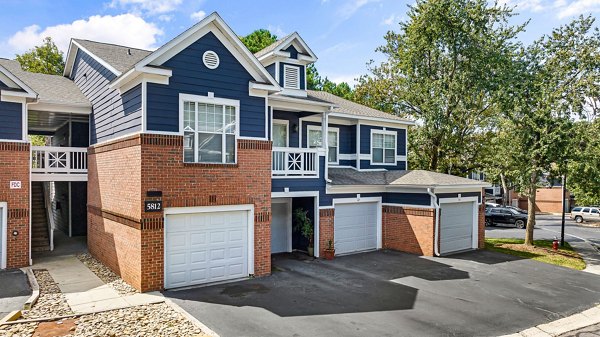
210,59
129,51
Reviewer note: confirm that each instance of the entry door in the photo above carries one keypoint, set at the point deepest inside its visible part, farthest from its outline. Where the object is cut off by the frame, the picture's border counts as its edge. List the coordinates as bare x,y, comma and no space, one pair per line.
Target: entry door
355,227
456,227
281,228
205,247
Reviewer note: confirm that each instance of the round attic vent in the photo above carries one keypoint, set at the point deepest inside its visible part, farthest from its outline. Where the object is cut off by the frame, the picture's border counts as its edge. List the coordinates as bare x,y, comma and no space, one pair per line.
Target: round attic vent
210,59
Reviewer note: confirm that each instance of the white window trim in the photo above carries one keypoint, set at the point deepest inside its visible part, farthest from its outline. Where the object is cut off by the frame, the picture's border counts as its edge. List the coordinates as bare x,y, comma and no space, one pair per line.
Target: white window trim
210,99
384,132
295,68
325,146
3,234
287,127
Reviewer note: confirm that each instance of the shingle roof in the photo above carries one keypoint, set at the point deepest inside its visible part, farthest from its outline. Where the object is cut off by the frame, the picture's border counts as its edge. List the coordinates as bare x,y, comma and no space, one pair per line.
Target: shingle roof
272,46
351,108
348,176
50,88
122,58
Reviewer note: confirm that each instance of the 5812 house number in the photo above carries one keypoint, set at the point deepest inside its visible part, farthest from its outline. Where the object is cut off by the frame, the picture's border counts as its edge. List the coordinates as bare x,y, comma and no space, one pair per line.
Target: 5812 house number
153,206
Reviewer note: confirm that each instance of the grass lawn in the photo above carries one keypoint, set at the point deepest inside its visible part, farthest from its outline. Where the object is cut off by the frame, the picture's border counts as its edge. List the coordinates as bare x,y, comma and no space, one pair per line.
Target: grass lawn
541,251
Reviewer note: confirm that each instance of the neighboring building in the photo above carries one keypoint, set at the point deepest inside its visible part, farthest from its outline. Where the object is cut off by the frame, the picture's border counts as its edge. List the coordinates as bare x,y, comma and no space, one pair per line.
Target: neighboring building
189,161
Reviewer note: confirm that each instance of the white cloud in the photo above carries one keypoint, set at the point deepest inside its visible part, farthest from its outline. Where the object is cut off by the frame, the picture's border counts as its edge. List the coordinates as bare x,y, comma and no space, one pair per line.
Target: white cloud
277,30
165,18
197,16
391,20
562,8
578,7
151,7
125,29
351,7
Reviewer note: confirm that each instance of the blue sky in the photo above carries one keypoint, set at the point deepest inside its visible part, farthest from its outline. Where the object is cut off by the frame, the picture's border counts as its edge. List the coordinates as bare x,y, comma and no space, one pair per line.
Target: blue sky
343,33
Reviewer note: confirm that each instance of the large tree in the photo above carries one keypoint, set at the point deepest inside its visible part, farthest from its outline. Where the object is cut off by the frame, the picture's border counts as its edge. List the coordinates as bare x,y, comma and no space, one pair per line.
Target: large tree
45,59
554,78
258,40
444,67
583,178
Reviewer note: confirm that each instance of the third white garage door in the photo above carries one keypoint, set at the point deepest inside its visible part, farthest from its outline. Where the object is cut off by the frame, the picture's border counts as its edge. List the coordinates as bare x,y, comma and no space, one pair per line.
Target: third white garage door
355,227
456,226
205,247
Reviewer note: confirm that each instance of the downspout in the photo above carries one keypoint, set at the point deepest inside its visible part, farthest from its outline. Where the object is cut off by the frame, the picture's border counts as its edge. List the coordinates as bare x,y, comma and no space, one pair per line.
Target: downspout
436,236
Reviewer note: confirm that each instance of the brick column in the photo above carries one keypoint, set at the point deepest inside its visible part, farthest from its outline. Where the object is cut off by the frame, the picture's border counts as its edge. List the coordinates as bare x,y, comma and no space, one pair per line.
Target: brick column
326,219
408,230
14,166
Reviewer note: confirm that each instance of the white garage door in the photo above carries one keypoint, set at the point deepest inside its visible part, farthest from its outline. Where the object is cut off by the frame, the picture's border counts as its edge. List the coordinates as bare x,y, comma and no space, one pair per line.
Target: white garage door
205,247
355,227
456,227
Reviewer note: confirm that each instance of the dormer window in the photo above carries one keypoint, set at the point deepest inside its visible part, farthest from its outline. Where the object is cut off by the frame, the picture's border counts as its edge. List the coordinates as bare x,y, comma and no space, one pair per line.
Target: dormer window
291,77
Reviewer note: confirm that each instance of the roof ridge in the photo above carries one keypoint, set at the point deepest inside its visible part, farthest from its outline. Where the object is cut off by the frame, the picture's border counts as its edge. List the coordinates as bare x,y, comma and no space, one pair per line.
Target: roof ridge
113,44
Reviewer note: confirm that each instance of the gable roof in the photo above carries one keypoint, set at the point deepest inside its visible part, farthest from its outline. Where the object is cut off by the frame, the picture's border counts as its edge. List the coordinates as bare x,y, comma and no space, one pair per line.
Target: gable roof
284,43
399,178
52,89
346,108
121,58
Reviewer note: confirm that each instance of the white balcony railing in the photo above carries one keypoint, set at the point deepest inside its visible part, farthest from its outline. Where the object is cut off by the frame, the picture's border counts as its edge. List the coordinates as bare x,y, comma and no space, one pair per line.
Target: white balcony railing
295,162
58,160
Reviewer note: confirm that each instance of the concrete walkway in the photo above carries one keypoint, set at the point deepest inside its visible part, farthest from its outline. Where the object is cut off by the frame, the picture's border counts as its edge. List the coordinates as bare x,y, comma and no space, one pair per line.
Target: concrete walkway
85,292
590,255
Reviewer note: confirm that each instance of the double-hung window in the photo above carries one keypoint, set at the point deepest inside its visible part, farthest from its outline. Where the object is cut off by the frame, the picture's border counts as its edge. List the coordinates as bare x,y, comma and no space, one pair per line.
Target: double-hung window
315,140
383,147
210,129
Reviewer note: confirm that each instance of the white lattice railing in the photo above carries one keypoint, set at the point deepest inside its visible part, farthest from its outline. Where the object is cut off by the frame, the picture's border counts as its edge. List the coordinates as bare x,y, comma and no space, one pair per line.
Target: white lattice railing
295,162
63,160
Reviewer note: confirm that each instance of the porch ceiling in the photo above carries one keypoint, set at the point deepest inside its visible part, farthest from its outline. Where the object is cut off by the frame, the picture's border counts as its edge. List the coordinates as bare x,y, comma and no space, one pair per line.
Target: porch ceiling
49,122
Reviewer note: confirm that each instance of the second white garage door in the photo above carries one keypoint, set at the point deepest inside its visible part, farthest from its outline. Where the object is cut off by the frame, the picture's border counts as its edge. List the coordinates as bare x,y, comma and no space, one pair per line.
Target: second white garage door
456,227
205,247
355,227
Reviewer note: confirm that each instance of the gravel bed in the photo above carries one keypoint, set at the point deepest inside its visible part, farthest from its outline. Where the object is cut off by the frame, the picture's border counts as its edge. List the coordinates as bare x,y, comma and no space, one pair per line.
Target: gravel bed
52,301
106,275
145,320
18,330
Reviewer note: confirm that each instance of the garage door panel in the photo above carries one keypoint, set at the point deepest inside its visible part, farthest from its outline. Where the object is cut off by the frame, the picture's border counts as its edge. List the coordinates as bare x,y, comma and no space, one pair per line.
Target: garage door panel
214,247
456,227
355,227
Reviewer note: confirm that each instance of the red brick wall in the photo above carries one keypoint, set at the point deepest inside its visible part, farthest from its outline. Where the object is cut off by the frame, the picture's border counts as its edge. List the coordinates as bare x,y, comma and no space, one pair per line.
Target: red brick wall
326,218
548,200
408,230
14,165
129,240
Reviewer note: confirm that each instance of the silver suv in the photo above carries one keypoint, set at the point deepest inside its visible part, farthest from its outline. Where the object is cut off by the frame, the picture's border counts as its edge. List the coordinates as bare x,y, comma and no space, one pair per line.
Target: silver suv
581,214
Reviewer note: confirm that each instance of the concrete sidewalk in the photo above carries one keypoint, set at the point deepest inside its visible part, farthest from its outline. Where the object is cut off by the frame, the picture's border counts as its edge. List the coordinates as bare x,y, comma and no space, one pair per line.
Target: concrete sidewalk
582,320
590,255
86,292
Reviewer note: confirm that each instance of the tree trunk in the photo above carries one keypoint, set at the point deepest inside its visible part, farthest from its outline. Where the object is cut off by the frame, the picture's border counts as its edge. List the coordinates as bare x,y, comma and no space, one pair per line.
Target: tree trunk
504,190
531,209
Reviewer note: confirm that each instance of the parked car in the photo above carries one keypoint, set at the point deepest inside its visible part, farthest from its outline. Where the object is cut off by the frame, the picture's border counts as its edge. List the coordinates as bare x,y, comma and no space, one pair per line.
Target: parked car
492,204
520,210
581,214
505,215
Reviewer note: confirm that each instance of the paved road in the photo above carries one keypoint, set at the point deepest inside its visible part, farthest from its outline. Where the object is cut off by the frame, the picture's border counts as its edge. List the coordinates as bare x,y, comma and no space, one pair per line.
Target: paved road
387,293
548,227
14,291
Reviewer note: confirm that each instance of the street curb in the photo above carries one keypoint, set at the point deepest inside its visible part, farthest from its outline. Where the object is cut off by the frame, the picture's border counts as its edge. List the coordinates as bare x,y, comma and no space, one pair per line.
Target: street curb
563,325
206,330
12,316
35,290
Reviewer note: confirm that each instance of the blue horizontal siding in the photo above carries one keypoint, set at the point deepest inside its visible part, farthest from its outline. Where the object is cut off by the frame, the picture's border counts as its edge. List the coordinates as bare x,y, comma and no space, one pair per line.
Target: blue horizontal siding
302,184
417,199
113,114
365,146
294,120
11,121
347,136
302,73
190,76
271,69
293,52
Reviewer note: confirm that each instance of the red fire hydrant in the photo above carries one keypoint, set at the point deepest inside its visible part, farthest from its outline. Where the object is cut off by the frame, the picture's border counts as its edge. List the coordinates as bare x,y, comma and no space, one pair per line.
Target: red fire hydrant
555,244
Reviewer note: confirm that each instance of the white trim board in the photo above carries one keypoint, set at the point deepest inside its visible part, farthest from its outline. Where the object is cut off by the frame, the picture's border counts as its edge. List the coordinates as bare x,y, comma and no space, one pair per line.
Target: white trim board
3,233
249,208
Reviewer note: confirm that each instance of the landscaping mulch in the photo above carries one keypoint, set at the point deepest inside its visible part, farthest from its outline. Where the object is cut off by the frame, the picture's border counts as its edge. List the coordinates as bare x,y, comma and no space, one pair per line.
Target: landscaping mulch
540,251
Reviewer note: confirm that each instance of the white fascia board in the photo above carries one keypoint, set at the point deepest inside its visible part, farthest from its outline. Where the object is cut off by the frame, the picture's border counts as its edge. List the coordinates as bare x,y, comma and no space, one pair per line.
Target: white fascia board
371,119
281,53
81,109
95,57
339,189
296,37
31,93
306,58
186,38
134,78
301,101
263,86
9,95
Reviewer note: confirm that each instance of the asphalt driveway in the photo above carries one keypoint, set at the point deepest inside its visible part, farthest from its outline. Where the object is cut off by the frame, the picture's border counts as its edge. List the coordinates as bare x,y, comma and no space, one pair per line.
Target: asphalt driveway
387,293
14,291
